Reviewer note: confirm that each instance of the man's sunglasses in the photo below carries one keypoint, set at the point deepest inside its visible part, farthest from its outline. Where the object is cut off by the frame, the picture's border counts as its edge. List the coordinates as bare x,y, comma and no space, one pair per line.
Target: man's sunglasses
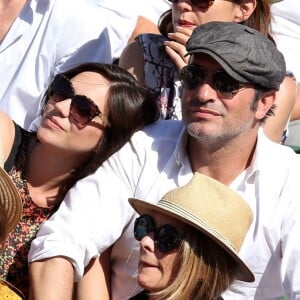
82,109
204,4
166,237
193,76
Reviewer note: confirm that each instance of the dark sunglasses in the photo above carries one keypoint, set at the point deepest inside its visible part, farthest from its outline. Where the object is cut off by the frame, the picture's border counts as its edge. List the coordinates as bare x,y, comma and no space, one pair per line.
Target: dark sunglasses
166,237
204,4
192,76
82,109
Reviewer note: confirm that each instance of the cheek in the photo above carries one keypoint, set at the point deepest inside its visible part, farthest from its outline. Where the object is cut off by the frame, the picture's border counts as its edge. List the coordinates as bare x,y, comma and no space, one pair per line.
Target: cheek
88,139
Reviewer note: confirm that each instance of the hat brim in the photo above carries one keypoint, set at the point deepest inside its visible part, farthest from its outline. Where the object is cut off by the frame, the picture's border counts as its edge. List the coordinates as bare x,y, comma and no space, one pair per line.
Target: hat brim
142,207
10,200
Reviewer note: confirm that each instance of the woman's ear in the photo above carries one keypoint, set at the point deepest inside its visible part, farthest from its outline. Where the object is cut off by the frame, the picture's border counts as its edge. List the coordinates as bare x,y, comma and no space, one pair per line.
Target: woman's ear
244,10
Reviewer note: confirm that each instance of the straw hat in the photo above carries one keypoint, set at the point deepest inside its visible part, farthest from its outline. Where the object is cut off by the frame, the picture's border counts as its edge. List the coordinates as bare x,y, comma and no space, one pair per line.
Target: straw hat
10,200
212,208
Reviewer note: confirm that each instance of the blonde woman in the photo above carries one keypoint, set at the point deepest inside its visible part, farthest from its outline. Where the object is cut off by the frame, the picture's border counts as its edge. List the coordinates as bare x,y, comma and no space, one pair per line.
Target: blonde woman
189,241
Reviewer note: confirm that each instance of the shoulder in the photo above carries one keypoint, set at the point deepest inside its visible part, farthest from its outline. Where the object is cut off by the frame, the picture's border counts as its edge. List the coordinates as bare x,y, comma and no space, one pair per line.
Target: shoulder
7,134
132,60
159,134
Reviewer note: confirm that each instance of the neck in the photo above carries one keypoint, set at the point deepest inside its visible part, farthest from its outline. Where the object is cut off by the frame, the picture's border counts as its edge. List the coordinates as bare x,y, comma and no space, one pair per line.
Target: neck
225,161
47,171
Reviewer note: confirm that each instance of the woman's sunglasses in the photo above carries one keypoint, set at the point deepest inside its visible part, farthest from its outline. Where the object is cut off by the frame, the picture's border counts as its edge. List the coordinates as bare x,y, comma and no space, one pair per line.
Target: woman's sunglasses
82,109
204,4
166,237
192,76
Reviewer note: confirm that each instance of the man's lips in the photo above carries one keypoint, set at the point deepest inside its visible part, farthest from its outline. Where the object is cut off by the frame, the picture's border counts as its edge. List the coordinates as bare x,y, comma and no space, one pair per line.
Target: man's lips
205,111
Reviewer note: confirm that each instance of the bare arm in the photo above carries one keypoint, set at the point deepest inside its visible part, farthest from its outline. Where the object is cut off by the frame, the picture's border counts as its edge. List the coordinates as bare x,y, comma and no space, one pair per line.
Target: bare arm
7,134
95,283
284,100
296,109
132,60
51,279
143,25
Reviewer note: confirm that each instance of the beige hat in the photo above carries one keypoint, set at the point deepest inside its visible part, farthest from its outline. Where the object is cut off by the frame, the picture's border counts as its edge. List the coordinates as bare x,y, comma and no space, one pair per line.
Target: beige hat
212,208
10,200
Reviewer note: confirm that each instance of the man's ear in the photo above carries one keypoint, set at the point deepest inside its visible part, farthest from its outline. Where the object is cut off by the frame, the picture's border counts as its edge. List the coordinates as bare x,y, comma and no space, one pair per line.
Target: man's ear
244,10
264,104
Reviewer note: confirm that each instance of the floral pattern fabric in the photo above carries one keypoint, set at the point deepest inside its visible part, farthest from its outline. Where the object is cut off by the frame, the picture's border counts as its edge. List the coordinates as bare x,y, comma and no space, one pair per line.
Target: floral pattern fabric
13,255
161,75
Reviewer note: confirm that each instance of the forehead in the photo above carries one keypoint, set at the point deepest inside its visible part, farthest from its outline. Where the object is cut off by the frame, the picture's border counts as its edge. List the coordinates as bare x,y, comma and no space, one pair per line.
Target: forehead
89,80
205,61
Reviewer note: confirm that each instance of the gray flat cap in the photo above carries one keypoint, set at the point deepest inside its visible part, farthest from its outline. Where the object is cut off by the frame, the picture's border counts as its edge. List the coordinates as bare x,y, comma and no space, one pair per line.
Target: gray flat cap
244,53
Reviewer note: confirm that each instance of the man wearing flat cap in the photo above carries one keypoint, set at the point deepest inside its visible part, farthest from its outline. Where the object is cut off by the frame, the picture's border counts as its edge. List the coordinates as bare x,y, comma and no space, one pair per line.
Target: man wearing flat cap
229,88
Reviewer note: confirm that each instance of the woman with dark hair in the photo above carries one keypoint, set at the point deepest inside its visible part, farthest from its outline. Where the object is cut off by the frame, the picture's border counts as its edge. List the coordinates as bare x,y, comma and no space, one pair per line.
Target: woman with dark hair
89,113
156,59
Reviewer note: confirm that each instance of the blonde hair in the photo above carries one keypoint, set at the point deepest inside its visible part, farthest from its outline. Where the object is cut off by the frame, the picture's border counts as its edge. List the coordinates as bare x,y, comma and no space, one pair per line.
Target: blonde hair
205,271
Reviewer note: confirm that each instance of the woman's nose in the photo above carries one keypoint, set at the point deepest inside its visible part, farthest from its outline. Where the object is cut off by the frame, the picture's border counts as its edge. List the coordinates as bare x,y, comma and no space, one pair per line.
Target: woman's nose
63,107
147,243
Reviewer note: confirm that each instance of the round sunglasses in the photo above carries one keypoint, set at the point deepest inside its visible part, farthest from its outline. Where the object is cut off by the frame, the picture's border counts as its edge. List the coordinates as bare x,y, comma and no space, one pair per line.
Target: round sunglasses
192,76
82,109
202,4
166,237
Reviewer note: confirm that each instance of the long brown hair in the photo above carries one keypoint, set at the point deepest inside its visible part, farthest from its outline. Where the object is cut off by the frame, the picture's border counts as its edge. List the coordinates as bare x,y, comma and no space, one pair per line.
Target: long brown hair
130,107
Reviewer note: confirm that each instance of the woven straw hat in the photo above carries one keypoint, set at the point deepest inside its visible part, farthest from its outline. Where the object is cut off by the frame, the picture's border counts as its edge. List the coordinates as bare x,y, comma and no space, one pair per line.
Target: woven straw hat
10,200
212,208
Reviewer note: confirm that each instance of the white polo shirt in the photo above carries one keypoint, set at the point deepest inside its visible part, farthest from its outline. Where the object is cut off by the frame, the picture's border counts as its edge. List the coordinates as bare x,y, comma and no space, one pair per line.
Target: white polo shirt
95,213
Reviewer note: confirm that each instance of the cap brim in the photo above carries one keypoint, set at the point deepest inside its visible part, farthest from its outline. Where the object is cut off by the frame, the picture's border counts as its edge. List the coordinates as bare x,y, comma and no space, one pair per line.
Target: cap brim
142,207
10,200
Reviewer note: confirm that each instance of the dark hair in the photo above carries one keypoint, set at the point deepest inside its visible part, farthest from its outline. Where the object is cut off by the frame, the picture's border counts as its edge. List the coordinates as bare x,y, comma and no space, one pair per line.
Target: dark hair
130,107
259,20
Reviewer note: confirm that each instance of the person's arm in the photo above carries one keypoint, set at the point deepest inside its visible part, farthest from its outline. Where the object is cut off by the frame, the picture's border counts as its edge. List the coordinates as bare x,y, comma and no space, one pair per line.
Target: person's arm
89,221
7,134
284,100
132,60
296,109
95,283
51,279
143,25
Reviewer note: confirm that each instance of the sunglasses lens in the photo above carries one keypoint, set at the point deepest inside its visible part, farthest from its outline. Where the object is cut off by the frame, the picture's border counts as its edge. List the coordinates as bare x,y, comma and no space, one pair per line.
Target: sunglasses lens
167,239
61,88
83,110
143,226
192,76
225,84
